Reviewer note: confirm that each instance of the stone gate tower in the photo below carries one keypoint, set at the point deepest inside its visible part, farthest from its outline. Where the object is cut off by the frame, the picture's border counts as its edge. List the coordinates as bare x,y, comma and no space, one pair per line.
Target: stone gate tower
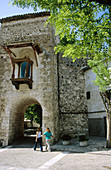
54,83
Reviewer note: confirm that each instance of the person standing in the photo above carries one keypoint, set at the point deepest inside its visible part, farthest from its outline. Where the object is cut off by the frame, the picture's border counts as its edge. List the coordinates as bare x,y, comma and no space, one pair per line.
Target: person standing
38,139
48,135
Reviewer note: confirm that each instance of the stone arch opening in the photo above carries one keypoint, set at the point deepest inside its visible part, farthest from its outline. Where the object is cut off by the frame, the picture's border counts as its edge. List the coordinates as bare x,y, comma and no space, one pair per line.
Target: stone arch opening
16,117
32,119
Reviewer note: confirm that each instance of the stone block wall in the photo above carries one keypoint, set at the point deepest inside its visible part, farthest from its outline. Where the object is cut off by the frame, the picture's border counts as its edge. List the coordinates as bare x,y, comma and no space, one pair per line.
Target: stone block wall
73,124
5,86
73,109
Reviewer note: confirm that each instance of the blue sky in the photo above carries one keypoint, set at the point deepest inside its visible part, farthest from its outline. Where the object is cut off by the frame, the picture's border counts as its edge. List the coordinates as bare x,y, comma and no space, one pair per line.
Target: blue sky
6,10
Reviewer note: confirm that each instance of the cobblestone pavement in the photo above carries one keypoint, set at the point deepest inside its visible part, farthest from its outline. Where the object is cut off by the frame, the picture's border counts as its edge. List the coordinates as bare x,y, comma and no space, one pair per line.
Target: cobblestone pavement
21,156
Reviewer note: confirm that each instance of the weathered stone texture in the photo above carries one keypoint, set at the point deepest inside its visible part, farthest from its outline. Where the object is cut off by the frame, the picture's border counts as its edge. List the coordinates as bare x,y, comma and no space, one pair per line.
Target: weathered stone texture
29,30
5,85
72,97
73,124
71,86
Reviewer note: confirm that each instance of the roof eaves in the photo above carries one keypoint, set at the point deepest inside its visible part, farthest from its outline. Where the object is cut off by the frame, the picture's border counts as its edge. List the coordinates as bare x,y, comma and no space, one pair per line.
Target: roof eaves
25,16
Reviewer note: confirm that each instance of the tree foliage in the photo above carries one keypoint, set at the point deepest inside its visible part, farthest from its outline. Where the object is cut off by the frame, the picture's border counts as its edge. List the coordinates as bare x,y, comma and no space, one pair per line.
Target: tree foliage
34,112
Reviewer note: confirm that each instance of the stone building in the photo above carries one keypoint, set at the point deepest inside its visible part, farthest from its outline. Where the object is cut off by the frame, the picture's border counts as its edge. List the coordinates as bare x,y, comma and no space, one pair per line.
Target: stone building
55,84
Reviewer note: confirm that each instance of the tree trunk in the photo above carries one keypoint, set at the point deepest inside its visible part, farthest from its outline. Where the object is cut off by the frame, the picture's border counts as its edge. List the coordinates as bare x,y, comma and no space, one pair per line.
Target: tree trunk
107,103
31,121
108,140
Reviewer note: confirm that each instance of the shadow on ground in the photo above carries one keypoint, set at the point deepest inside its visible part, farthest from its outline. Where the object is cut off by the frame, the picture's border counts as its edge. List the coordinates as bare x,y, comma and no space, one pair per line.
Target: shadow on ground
94,144
24,142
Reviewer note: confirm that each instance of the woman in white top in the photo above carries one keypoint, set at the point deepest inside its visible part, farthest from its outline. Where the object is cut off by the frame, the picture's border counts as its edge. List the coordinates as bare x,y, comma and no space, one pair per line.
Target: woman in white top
38,139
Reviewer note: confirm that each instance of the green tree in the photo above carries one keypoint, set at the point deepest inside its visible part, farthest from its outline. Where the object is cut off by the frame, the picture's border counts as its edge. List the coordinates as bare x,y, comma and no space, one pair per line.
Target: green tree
34,112
83,33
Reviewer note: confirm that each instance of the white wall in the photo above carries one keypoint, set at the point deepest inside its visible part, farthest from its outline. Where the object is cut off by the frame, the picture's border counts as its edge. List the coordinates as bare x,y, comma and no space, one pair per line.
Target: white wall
96,111
94,104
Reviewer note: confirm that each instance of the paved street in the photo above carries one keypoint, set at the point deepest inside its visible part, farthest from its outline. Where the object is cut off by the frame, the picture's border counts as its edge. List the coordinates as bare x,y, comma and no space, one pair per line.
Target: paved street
21,156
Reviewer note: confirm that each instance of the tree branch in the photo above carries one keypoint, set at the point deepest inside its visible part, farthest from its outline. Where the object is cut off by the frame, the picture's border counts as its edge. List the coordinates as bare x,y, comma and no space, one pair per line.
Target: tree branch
102,96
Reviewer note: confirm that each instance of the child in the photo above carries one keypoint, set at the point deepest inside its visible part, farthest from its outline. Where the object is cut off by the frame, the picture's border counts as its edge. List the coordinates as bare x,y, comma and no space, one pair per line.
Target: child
48,135
38,139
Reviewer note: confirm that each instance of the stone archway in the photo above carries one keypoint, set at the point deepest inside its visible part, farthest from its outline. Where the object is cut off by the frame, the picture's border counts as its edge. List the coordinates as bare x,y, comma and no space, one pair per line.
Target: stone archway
16,118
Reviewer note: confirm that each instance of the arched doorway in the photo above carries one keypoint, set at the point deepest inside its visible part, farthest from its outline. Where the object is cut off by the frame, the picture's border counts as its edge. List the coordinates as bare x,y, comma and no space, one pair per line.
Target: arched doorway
16,117
32,119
